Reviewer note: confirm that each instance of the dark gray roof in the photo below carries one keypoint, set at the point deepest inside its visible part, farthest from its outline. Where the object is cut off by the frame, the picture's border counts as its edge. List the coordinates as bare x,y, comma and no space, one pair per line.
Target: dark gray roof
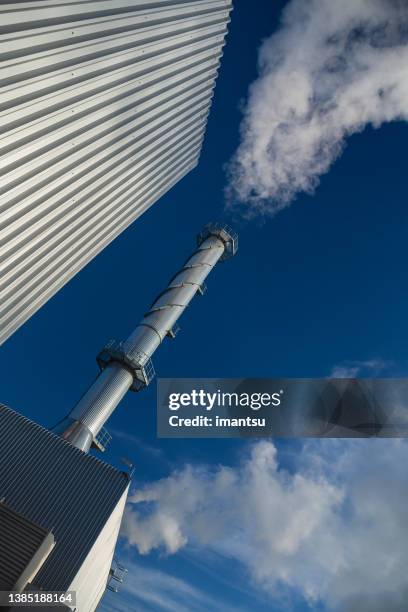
59,488
21,541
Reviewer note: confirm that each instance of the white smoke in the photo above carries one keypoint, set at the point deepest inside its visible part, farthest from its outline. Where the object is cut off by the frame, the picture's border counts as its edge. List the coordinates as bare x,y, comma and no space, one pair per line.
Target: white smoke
332,68
334,529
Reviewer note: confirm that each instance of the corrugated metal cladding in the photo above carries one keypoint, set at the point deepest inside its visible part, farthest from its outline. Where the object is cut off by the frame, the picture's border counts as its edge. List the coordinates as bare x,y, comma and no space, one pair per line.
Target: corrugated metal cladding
58,487
103,107
20,540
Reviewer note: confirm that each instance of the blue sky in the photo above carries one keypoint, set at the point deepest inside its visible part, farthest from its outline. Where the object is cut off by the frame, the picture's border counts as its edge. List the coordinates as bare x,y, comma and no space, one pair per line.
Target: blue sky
320,284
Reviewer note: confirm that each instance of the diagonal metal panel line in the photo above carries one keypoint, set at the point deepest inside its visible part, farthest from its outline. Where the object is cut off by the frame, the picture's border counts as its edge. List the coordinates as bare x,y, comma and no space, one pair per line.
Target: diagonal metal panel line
103,108
40,239
40,297
21,288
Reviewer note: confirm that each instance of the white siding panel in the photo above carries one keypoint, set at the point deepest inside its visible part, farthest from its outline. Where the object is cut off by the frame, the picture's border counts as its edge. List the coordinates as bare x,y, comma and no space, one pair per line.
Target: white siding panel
103,107
90,582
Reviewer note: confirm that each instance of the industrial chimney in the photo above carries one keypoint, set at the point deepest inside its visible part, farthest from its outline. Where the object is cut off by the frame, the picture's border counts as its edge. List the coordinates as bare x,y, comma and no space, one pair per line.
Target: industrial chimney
66,504
127,365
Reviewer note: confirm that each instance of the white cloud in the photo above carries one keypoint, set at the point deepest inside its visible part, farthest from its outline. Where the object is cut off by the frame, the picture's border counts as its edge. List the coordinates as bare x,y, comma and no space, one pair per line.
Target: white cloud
352,369
335,529
330,70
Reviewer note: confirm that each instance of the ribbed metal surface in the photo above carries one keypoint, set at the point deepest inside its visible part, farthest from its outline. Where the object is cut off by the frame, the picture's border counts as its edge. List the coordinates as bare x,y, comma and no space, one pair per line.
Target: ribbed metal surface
107,391
103,107
58,487
20,539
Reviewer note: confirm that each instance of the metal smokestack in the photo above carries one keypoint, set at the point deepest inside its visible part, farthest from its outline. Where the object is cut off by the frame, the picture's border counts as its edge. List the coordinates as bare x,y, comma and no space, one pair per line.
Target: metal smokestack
127,365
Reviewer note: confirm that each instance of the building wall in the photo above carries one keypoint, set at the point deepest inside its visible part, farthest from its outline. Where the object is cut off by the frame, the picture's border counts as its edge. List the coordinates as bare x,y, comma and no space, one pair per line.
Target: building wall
103,107
90,582
63,490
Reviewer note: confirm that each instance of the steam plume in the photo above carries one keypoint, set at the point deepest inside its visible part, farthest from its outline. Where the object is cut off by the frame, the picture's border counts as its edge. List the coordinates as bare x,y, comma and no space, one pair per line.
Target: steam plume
327,529
329,71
